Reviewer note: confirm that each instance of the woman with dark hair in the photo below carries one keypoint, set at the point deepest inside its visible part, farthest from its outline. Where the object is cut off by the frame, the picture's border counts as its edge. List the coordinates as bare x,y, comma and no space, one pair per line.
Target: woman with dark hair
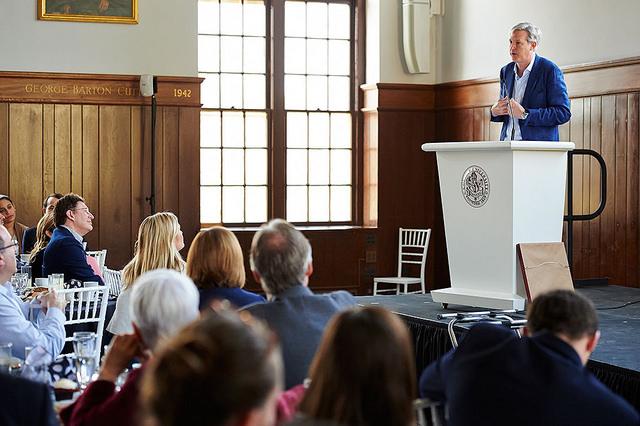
15,228
363,373
216,266
224,369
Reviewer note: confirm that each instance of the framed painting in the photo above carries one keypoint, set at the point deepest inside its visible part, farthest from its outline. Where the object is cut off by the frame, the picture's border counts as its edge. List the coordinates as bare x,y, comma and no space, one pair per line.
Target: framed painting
109,11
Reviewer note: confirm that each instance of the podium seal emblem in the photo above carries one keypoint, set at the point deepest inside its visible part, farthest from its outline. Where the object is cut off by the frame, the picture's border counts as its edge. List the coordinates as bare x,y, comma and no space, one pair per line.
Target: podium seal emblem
475,186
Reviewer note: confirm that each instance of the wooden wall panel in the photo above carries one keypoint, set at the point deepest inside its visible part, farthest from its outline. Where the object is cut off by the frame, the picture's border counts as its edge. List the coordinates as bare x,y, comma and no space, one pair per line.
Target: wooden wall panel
189,177
91,183
48,150
76,149
4,147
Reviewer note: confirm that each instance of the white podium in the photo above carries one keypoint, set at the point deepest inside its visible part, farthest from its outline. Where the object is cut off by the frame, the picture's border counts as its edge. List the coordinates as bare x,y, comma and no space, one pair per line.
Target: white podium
494,196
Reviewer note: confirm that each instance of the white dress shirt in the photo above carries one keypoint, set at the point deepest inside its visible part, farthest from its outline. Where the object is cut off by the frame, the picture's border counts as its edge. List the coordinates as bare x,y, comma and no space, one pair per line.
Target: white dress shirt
518,93
15,328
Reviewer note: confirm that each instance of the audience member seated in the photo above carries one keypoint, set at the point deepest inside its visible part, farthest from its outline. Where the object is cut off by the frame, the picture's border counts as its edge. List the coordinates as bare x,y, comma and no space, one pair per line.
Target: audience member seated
216,266
158,245
45,228
281,262
47,330
225,369
494,377
65,252
363,373
25,403
30,235
162,303
15,228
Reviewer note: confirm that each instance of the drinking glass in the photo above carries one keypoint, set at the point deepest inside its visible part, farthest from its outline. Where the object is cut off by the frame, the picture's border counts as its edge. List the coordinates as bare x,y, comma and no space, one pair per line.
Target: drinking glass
27,270
19,283
56,281
84,348
5,357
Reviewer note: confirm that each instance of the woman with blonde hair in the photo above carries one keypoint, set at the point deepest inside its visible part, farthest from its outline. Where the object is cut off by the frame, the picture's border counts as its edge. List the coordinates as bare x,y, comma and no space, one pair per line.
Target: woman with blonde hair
216,266
158,246
44,230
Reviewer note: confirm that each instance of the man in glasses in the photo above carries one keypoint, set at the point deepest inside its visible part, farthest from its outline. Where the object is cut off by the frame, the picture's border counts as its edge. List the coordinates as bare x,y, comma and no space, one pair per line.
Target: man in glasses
65,252
29,238
47,331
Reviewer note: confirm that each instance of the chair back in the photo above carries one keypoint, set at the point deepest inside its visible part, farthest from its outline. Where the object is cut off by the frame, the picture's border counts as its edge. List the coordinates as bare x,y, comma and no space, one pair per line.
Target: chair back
430,413
87,305
100,256
113,279
413,245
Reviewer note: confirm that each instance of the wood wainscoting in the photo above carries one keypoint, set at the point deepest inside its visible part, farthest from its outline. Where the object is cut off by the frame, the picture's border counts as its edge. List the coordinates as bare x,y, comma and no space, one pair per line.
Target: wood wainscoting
91,134
605,105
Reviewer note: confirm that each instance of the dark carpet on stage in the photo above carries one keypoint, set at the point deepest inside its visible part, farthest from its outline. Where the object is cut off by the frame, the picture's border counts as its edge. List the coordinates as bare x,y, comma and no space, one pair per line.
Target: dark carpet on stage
616,361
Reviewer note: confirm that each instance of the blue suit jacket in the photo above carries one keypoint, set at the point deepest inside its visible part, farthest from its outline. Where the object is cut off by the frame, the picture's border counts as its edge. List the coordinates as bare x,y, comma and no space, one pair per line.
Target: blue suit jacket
65,255
25,403
545,99
299,318
496,378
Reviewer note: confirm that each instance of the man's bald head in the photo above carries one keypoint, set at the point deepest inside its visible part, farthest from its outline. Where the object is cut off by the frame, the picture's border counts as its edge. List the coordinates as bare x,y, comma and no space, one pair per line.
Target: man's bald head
8,265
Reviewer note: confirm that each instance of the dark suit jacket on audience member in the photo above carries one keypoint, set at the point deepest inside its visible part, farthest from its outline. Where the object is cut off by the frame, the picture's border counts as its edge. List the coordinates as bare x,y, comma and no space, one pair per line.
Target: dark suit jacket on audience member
299,317
28,240
64,254
238,297
24,402
496,378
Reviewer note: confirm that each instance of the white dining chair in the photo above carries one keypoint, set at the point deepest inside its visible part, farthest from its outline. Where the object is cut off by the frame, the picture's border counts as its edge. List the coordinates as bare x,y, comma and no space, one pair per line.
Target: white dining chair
86,305
413,245
100,256
113,279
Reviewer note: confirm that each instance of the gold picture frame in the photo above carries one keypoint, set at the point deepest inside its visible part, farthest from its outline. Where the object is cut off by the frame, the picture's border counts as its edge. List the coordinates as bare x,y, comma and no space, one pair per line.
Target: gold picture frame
105,11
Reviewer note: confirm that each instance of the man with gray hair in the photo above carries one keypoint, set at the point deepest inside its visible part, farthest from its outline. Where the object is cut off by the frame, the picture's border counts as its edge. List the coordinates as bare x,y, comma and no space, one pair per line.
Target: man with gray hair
533,95
281,262
163,301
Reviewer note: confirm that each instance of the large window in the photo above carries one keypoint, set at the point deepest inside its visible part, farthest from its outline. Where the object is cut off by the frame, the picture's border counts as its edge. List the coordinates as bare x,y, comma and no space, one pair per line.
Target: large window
277,123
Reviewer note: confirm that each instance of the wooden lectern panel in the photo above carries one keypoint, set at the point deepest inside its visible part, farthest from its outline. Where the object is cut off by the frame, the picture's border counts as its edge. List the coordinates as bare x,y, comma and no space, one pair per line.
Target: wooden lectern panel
544,268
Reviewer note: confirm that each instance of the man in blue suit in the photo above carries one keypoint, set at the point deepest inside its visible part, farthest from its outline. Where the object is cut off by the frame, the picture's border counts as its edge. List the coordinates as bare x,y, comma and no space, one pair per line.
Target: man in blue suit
496,378
532,91
65,252
281,262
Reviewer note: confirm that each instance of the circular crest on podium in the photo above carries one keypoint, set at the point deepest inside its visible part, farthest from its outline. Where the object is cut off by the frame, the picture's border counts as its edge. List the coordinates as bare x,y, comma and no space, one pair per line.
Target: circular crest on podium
475,186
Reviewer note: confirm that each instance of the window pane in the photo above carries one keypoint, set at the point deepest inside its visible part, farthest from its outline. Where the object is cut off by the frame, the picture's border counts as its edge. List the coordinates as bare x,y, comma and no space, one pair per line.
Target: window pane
294,92
318,203
297,203
339,93
256,203
317,20
230,58
231,96
209,91
257,166
254,55
231,17
318,166
319,130
208,16
339,17
316,93
340,167
210,204
254,17
296,130
317,57
340,203
210,166
233,166
233,204
294,19
210,129
294,55
254,91
340,130
232,129
208,53
296,167
339,55
256,129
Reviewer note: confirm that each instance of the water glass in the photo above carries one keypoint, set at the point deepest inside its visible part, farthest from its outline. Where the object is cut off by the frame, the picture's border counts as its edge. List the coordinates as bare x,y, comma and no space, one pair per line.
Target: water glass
5,357
84,348
19,283
56,281
27,270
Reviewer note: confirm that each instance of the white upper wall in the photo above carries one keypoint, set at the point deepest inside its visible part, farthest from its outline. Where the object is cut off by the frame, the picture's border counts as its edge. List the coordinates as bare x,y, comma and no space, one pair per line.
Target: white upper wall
164,42
475,33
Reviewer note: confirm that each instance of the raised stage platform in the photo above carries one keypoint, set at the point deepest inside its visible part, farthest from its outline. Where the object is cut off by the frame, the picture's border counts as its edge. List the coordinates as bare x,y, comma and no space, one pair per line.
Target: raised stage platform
616,361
